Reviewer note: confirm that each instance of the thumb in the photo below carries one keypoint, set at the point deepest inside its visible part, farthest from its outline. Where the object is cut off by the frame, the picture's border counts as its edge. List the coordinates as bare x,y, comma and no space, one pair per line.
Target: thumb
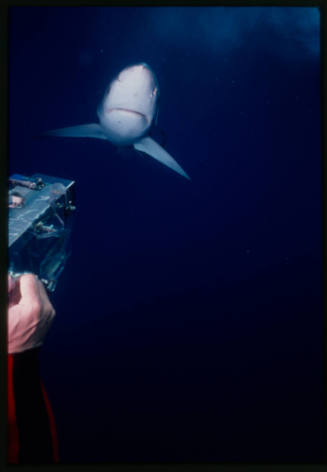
29,289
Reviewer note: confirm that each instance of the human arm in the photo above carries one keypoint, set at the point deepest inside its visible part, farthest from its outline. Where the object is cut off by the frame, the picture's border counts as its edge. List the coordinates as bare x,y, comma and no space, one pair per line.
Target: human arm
31,428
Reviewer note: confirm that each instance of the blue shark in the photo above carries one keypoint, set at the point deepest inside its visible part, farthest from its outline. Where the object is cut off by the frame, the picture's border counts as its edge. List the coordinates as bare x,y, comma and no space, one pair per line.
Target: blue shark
126,115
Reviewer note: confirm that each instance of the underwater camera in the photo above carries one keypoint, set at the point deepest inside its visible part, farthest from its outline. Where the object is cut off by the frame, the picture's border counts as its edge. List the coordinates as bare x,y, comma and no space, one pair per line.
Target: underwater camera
41,211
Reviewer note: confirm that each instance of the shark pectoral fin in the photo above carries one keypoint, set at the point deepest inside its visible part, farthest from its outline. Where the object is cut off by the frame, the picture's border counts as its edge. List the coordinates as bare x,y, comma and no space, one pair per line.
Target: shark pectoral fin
151,147
91,130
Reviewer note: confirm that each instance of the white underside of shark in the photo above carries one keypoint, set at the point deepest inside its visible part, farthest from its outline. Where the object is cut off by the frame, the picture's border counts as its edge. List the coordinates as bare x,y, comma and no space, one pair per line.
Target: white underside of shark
126,115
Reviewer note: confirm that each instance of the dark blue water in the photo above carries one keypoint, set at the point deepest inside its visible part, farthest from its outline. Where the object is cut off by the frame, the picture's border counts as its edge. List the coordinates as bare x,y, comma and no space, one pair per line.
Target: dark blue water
189,316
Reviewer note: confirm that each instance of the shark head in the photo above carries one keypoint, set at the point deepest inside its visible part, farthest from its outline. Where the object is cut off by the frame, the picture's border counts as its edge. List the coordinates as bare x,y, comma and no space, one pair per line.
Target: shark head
129,105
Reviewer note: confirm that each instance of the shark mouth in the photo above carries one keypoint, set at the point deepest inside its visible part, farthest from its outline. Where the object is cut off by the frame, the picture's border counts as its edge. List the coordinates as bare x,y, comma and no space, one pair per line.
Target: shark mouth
126,110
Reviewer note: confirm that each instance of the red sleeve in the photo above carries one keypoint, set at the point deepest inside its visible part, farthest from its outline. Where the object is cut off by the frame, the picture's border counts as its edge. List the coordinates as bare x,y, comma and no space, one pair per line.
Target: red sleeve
13,438
52,425
32,434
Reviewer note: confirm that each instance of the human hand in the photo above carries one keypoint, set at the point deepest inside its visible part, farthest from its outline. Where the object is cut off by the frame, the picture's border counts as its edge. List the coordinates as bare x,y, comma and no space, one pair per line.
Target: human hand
30,313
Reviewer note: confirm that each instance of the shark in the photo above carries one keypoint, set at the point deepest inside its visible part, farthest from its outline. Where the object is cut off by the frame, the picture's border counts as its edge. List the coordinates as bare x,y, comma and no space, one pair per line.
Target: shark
126,115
